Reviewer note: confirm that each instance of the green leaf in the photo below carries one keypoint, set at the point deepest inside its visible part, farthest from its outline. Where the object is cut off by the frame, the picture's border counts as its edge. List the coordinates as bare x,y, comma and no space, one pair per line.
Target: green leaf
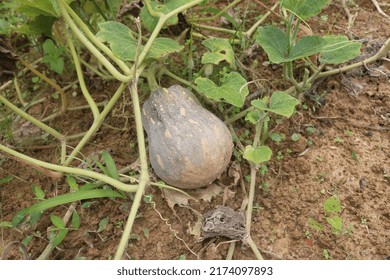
306,46
337,224
103,224
27,240
57,221
332,205
162,47
39,25
63,199
274,42
277,137
257,155
305,8
72,183
253,116
124,45
6,179
295,137
75,220
33,8
57,239
52,56
339,49
110,164
219,50
280,103
5,224
233,90
150,22
39,193
315,225
121,41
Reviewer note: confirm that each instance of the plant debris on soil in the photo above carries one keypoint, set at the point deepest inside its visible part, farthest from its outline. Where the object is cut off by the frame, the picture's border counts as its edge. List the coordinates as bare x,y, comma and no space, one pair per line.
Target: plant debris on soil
343,150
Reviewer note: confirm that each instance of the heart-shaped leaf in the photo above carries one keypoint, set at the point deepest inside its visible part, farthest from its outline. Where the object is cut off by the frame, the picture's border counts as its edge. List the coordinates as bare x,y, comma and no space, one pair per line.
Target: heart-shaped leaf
280,103
304,9
219,50
233,90
339,49
124,45
257,155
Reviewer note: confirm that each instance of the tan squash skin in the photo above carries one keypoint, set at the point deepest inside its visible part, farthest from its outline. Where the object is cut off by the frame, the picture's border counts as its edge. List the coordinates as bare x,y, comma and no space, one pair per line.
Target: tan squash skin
189,147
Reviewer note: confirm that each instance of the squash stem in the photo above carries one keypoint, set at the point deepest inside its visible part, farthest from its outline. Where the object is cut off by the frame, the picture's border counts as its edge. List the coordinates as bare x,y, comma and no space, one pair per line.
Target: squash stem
151,77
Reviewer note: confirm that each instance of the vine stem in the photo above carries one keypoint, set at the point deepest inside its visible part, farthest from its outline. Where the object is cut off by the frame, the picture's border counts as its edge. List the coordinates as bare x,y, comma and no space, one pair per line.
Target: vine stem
80,77
251,30
71,170
119,76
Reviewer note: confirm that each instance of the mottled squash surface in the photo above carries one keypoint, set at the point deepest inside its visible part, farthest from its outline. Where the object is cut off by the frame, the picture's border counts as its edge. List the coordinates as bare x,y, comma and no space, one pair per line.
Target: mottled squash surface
189,147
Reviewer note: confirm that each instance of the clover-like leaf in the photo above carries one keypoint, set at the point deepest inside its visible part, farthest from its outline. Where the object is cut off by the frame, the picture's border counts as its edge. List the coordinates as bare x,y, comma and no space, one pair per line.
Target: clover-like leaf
257,155
53,56
124,45
339,49
233,90
304,9
150,22
280,103
219,50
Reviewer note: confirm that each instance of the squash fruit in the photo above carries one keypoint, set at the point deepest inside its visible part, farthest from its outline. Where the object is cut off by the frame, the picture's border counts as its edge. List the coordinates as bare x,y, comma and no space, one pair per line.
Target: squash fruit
189,147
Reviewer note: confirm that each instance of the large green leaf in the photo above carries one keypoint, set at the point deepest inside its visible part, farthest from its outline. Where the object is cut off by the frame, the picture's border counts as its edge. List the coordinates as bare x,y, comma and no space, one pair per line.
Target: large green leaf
280,103
150,22
274,42
257,155
233,90
39,25
339,49
124,45
305,9
33,8
306,47
219,50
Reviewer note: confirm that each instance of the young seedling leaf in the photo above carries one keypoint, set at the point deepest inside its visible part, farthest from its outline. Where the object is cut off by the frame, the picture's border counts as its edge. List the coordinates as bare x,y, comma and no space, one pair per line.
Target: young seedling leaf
103,224
53,56
315,225
274,42
111,166
337,224
124,45
75,220
5,224
304,9
39,193
150,22
282,103
57,221
72,183
57,239
63,199
233,90
219,50
257,155
339,49
6,179
332,205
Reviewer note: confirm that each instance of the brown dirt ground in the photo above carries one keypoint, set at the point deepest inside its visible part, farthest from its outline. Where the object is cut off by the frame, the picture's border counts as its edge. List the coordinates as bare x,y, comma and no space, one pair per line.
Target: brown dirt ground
297,187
